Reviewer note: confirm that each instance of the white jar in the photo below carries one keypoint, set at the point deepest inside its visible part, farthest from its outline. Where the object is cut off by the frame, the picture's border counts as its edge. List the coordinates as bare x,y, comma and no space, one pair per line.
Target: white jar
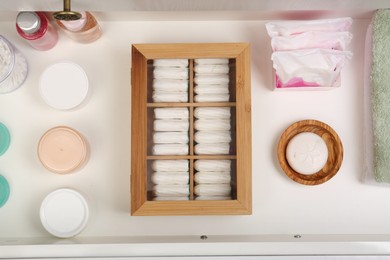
13,67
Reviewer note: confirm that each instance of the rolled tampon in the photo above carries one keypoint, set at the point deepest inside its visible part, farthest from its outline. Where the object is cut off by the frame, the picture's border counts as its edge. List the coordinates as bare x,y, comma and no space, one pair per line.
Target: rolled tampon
211,89
170,73
212,137
213,165
211,69
213,198
212,112
171,113
170,165
170,85
212,61
170,138
211,78
170,149
211,98
212,124
212,177
218,148
170,96
213,189
163,198
171,190
170,177
171,125
170,62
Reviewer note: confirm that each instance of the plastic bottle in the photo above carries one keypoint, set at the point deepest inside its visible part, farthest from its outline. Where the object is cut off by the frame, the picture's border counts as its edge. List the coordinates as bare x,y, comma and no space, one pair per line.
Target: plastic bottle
37,30
84,30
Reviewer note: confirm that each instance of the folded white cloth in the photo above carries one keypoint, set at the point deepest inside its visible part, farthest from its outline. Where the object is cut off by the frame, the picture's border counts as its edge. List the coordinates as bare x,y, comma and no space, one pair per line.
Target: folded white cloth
213,189
213,137
170,85
163,198
171,113
211,69
212,177
171,125
170,62
170,149
170,96
170,166
171,190
212,112
212,98
170,177
170,138
213,165
212,61
211,89
170,73
218,148
213,198
211,78
212,124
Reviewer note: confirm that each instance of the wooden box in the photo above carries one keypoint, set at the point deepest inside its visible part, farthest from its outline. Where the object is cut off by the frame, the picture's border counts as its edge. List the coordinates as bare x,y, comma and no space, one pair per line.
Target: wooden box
142,199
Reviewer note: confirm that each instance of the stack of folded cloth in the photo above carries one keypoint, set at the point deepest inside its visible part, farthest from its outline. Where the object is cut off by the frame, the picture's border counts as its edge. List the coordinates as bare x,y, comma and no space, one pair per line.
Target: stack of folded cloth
170,179
211,80
309,53
212,180
170,135
212,127
170,80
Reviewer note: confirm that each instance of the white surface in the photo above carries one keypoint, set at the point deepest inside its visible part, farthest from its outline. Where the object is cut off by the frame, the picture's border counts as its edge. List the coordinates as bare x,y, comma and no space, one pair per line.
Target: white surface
64,213
343,205
307,153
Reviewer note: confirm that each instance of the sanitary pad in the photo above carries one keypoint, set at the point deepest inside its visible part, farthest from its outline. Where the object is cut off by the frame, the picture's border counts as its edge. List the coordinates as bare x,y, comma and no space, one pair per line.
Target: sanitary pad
170,138
213,189
211,69
170,165
206,61
212,89
171,190
212,112
170,73
170,149
212,124
212,137
170,62
211,79
170,85
212,177
171,113
170,178
212,98
212,165
170,96
217,148
171,125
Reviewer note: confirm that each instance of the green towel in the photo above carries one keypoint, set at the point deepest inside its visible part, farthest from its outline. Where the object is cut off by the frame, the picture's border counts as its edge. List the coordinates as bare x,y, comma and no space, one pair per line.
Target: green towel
380,96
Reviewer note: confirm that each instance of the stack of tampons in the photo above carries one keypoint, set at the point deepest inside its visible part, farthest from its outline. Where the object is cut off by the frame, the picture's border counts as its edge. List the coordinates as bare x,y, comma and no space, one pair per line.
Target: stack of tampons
309,53
170,80
170,136
211,80
170,179
212,125
212,179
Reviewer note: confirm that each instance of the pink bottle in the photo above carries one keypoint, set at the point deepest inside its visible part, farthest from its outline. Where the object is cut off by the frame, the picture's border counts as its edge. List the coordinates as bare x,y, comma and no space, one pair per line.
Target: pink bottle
37,30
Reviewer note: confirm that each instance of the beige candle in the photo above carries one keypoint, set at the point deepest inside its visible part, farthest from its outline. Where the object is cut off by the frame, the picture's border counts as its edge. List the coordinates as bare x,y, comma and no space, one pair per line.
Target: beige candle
63,150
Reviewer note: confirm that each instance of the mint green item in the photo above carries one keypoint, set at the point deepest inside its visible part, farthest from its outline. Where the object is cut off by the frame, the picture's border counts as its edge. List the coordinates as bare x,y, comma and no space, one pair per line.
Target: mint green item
380,96
5,139
4,190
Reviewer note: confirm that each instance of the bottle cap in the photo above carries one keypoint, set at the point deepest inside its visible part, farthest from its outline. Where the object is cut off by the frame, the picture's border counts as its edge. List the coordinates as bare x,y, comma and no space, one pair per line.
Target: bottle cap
28,22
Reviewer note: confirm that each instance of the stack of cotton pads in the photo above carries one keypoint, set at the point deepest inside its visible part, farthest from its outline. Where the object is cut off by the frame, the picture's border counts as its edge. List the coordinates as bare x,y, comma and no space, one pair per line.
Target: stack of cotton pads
170,80
212,127
170,179
170,135
211,80
212,179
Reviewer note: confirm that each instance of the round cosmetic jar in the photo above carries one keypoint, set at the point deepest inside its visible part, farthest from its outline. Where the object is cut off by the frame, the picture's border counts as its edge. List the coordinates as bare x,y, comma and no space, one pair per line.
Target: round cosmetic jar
64,213
4,191
5,139
63,150
64,85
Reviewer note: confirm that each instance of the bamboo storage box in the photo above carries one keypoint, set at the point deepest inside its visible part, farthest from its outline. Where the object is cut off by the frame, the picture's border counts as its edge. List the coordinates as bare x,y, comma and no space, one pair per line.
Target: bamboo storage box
145,199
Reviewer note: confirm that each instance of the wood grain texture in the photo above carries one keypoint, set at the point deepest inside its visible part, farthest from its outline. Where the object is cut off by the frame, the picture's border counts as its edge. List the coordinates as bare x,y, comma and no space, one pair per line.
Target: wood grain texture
239,55
334,145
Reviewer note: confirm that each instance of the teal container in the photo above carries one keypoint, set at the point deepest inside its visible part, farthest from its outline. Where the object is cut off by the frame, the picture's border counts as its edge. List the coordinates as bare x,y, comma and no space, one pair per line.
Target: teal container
5,139
4,190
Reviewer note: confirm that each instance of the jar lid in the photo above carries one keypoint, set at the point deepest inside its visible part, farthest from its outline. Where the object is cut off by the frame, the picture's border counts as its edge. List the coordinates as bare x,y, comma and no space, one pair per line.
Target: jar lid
28,22
4,190
64,213
64,85
5,139
62,149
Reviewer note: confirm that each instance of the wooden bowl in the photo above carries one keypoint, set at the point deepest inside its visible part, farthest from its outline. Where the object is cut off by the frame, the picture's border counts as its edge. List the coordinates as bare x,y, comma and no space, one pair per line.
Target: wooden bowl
333,143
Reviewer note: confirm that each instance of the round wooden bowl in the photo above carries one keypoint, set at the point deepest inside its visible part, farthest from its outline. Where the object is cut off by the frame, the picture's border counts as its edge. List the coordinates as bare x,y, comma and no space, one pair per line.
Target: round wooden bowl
332,140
